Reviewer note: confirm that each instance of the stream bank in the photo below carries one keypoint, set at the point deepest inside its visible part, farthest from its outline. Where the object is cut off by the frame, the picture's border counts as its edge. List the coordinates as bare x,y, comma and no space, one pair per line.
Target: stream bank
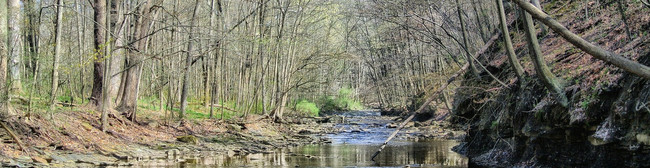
606,123
79,142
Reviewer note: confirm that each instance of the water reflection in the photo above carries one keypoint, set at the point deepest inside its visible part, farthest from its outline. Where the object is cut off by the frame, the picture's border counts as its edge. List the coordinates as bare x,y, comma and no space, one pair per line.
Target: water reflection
433,153
348,149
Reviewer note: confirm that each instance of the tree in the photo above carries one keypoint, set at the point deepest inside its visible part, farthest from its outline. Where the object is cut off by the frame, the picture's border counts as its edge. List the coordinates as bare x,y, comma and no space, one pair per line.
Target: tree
537,4
14,44
57,55
188,62
4,90
512,56
106,98
472,67
136,52
99,27
551,82
591,49
117,24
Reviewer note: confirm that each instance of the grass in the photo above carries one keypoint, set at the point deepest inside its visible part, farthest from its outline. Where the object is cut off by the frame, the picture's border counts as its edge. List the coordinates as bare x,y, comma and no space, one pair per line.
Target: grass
149,106
195,109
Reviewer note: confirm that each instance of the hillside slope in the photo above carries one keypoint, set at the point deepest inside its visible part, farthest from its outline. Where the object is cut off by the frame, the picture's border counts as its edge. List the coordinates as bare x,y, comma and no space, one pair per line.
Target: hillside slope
606,124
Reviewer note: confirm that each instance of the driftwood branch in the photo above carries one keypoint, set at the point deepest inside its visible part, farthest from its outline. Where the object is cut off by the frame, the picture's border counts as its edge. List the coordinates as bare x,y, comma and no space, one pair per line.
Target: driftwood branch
591,49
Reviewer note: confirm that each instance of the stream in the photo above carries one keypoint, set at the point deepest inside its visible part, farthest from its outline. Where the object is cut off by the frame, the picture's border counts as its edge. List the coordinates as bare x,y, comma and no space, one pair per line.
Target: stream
360,136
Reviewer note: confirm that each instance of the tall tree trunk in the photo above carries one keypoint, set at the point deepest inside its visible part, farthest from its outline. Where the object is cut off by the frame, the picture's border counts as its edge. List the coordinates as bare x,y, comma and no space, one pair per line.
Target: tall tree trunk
14,44
543,72
206,81
33,40
128,104
214,54
99,26
541,26
4,90
621,10
57,56
188,62
479,22
81,47
118,26
278,92
512,56
106,98
465,41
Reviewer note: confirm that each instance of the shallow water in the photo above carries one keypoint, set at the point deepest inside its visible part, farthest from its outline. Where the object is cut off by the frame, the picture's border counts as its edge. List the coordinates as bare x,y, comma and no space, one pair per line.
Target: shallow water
365,132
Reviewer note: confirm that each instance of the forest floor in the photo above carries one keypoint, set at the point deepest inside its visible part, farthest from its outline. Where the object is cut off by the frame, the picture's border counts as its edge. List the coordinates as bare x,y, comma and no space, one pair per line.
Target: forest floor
74,138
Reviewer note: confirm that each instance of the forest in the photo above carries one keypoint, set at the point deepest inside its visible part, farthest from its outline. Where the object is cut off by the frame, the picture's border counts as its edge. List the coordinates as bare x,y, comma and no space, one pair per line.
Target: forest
284,83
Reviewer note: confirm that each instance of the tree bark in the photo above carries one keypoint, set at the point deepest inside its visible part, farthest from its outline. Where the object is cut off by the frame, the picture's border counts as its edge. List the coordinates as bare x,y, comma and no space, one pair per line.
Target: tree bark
99,15
81,46
106,98
537,4
14,44
512,56
128,104
621,10
479,23
543,72
188,62
472,67
602,54
118,26
57,56
4,90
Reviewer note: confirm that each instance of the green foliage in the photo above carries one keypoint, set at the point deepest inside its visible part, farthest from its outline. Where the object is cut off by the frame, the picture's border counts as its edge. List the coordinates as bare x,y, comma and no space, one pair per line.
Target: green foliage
355,105
494,125
343,101
192,114
305,106
194,110
149,103
64,99
200,112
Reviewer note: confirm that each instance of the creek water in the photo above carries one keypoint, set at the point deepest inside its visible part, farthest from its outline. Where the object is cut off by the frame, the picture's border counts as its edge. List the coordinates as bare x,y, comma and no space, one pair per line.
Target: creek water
361,135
